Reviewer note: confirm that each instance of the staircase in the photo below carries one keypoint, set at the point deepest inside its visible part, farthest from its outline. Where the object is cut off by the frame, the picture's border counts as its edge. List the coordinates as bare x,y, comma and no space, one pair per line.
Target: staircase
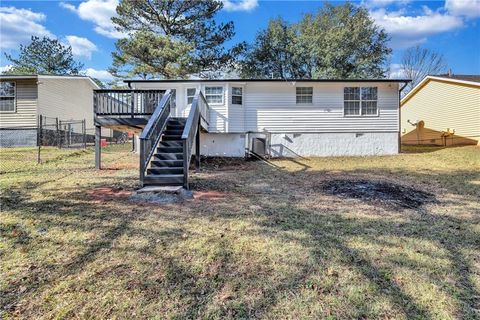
167,163
167,143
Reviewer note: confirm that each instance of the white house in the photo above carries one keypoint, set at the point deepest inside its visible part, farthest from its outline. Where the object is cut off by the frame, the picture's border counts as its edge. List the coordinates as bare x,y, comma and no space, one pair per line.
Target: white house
293,118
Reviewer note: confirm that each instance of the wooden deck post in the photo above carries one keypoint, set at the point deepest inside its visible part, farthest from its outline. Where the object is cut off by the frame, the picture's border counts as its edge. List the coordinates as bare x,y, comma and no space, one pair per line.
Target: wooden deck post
98,148
197,149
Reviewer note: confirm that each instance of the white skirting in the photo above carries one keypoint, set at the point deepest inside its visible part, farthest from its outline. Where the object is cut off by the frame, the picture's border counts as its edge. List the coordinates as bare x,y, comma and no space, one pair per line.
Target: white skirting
305,144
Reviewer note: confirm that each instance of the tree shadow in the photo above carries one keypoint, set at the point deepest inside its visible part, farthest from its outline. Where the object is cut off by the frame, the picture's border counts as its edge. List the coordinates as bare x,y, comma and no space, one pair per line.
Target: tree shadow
412,203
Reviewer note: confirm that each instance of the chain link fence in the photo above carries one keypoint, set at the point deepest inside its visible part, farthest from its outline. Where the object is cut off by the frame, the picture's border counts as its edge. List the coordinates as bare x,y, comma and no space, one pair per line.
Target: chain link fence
53,139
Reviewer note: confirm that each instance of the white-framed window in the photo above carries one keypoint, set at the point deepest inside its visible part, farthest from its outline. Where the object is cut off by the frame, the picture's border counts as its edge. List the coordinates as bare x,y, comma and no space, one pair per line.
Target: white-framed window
214,95
360,101
304,95
7,96
190,95
237,95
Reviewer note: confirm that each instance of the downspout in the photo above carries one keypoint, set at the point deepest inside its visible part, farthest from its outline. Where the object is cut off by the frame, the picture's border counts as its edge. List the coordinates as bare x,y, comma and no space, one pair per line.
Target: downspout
400,116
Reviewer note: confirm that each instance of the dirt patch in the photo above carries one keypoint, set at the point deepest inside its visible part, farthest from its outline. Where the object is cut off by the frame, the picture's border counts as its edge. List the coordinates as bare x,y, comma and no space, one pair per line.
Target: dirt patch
379,192
209,195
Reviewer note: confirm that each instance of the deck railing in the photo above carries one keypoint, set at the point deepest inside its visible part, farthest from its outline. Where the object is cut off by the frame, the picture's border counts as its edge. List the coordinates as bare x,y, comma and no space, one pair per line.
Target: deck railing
198,117
122,103
152,132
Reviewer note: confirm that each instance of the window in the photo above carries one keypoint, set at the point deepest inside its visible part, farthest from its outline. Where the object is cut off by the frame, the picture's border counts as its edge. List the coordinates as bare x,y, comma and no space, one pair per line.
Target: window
360,101
214,95
7,96
369,101
237,97
304,95
190,95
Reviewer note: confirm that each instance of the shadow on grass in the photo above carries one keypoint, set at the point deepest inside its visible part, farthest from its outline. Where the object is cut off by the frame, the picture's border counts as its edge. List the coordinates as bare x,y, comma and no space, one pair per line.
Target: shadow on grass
453,234
281,197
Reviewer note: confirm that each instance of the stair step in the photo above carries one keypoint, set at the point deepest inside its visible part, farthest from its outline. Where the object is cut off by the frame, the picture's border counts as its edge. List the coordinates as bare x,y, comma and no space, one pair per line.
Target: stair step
177,122
163,179
167,137
155,163
168,156
175,127
165,170
169,149
169,132
172,143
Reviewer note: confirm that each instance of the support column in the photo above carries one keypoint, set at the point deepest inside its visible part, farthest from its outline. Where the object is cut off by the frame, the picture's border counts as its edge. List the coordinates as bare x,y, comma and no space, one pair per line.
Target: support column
98,147
197,150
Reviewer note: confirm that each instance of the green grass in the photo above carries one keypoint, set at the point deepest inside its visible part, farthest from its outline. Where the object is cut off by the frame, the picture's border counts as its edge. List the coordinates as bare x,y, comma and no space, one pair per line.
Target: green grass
272,243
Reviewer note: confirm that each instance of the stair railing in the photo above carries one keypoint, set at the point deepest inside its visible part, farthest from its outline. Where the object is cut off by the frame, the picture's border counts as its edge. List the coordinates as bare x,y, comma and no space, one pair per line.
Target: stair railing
197,117
152,132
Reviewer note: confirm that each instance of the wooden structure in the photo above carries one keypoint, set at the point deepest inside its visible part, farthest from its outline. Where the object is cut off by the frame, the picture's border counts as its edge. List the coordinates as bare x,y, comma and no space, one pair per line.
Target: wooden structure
166,142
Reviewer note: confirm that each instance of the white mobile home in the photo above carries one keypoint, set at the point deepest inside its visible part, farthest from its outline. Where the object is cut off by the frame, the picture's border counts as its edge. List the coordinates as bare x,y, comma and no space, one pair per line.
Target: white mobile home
295,117
25,97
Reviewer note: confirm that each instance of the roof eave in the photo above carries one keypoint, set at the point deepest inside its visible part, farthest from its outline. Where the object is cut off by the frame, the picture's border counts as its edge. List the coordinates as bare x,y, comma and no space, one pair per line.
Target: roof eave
264,80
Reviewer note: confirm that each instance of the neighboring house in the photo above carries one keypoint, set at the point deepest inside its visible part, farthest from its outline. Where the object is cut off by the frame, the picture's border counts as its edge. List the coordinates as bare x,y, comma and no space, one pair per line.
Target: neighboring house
442,110
24,97
293,118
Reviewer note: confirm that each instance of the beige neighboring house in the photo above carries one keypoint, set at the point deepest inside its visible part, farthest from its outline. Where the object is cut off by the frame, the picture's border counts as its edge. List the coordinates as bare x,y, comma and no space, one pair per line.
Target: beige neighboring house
23,98
442,110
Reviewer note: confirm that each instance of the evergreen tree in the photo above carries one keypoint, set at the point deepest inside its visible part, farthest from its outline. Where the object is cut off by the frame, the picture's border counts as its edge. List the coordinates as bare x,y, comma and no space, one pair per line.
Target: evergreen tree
171,39
44,56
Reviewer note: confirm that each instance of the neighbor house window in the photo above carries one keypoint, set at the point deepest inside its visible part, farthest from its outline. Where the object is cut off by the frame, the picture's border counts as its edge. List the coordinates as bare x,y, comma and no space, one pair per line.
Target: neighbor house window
237,95
7,96
190,95
304,95
214,95
360,101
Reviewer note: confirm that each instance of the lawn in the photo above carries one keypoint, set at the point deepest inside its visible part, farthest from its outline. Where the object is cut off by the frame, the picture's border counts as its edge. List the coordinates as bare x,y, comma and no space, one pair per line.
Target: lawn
394,237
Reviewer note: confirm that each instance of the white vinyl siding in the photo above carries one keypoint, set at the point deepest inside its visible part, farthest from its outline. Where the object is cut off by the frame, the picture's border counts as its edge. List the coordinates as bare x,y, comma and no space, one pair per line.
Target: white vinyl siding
25,114
272,107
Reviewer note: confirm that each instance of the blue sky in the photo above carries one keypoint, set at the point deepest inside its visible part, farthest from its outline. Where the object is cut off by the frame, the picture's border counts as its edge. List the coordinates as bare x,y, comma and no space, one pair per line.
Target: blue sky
450,27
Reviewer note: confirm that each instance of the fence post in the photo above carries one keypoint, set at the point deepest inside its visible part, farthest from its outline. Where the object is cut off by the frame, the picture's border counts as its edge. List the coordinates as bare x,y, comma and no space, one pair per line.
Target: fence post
57,133
60,134
98,137
39,137
84,131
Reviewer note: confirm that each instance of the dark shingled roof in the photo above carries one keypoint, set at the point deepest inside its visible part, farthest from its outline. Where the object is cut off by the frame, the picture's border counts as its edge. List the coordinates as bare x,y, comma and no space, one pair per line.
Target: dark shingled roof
464,77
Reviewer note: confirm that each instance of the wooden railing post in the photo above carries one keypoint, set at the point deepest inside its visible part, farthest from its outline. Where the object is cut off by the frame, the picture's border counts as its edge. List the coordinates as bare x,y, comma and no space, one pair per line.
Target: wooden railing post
133,104
185,164
142,161
197,148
